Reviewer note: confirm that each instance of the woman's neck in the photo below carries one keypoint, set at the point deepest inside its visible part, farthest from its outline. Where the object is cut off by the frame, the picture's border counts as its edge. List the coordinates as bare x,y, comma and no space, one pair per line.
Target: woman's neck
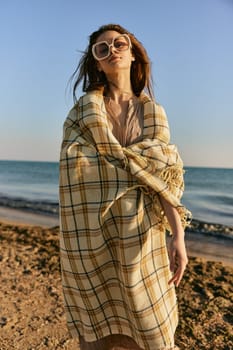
119,89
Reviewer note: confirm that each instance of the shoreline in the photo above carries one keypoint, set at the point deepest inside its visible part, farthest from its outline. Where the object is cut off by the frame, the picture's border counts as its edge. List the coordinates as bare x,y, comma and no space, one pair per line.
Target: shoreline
202,239
209,248
22,217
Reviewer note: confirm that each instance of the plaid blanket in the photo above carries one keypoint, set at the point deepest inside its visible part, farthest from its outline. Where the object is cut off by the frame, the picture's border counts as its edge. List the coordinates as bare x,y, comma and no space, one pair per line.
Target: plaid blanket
114,260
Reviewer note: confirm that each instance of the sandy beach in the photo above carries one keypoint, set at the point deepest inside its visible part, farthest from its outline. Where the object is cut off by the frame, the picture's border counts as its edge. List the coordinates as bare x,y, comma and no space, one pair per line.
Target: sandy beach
32,313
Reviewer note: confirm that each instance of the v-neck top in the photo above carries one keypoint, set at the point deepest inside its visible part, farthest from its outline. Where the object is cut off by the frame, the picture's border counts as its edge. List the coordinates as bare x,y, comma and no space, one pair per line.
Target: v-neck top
127,129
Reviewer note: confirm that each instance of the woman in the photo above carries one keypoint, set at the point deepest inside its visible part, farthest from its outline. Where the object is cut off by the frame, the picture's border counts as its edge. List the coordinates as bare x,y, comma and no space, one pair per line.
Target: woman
120,188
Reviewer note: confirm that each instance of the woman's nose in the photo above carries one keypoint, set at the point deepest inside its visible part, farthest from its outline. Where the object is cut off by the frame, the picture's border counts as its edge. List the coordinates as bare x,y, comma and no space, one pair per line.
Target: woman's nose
112,48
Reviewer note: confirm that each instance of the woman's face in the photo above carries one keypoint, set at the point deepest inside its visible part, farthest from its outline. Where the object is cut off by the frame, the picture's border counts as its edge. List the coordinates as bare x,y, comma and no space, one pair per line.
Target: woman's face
118,59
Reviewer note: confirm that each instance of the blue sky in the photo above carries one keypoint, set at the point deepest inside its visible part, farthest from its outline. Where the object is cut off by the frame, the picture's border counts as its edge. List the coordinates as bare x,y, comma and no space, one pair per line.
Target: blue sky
189,43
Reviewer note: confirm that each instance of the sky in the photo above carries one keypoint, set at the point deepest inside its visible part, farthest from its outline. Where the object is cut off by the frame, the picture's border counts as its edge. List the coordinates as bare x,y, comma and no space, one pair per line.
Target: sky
189,43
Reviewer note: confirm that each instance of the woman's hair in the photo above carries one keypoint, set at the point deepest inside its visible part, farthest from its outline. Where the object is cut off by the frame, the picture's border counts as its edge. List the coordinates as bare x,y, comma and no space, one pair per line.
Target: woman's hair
93,79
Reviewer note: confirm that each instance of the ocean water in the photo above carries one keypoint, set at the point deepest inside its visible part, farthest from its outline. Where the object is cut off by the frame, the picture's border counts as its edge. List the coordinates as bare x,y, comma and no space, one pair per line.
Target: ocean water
29,186
34,186
209,194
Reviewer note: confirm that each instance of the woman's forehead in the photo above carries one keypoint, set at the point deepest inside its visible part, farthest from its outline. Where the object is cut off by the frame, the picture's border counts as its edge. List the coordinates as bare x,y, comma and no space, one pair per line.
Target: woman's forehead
108,36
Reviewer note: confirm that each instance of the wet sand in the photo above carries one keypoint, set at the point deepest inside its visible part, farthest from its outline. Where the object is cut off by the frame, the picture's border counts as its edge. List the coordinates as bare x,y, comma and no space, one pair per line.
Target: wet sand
20,217
32,313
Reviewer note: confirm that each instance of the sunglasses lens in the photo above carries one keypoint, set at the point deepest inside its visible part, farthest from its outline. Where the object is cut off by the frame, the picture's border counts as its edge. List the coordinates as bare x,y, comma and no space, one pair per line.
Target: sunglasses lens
121,43
101,50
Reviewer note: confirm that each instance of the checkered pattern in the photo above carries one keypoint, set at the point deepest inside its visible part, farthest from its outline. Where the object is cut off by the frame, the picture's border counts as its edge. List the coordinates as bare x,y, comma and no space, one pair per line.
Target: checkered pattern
115,268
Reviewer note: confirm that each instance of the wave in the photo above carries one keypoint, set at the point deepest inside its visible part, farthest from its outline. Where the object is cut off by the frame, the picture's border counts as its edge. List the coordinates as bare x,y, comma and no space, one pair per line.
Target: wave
211,229
39,207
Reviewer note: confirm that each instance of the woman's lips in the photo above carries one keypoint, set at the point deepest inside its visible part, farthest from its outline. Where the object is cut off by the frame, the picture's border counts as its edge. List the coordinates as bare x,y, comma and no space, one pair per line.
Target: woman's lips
113,58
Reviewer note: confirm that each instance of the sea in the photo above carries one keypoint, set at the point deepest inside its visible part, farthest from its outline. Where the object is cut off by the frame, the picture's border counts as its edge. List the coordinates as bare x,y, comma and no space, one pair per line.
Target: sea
33,186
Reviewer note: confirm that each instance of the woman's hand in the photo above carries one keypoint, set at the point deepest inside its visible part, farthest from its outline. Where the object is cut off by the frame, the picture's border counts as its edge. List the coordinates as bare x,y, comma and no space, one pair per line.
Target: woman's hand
178,258
176,247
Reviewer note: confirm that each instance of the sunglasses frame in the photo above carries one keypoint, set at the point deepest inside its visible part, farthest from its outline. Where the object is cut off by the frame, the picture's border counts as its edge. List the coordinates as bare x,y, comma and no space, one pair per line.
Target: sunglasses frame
109,46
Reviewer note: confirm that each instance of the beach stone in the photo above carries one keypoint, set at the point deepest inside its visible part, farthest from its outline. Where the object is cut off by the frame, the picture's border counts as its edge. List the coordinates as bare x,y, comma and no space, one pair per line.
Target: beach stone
3,321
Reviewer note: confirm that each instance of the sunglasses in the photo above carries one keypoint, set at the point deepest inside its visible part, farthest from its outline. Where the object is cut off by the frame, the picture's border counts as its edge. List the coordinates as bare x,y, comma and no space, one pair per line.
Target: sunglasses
101,50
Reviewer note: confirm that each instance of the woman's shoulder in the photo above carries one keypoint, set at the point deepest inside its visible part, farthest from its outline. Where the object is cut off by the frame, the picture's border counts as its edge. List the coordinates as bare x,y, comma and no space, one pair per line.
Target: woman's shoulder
160,109
152,106
83,103
150,100
94,96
